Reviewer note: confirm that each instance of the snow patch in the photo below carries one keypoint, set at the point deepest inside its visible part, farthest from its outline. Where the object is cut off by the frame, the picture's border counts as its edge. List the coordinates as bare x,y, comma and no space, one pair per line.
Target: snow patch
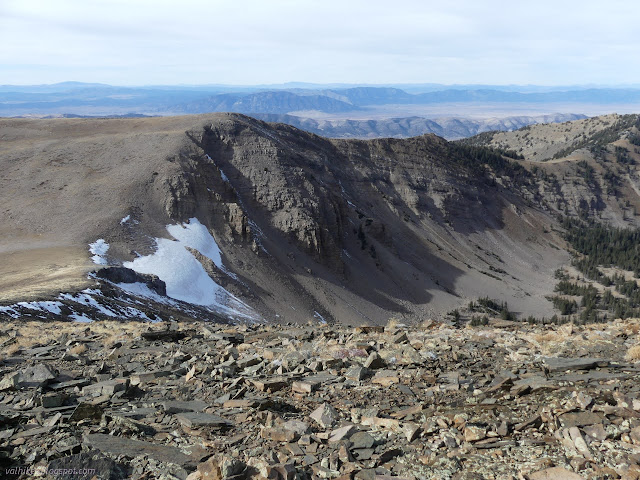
9,311
52,307
134,312
125,219
142,290
184,276
319,317
88,300
224,177
99,248
256,229
197,236
81,318
258,235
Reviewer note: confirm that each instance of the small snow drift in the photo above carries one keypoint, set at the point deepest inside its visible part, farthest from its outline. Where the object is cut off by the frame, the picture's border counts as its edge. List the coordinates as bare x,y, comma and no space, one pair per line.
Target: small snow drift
99,248
184,275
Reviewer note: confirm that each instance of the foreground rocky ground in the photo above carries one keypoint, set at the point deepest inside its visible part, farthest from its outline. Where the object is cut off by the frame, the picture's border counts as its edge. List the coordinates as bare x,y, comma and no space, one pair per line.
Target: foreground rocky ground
201,401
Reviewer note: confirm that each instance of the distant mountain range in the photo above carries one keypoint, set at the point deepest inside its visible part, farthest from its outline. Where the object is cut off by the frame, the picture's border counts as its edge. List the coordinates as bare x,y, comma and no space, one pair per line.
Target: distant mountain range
449,128
104,100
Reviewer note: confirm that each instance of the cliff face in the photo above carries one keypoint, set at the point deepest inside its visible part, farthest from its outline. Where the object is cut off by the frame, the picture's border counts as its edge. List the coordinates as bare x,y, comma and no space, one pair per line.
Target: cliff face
306,227
360,230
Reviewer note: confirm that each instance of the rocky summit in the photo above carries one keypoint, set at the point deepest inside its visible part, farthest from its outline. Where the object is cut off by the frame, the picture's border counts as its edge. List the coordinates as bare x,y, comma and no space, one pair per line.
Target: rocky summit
201,401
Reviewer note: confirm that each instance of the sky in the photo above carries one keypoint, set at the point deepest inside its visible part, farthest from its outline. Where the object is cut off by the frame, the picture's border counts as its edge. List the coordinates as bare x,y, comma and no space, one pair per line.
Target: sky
251,42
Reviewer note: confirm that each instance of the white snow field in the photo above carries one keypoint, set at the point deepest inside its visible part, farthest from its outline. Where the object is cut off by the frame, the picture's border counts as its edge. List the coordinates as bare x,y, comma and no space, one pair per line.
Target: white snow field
184,275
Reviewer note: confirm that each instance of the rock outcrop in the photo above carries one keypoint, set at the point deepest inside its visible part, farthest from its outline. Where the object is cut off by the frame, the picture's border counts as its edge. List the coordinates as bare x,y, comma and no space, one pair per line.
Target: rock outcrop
126,275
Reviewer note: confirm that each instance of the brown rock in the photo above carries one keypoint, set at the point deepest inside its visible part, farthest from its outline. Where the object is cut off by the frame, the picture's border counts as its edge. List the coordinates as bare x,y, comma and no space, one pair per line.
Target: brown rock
270,385
286,471
304,387
220,468
374,361
341,433
385,378
473,433
579,419
325,415
555,473
279,434
390,423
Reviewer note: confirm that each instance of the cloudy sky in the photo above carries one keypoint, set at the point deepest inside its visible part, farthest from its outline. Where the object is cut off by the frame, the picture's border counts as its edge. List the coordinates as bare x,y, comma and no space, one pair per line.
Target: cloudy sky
136,42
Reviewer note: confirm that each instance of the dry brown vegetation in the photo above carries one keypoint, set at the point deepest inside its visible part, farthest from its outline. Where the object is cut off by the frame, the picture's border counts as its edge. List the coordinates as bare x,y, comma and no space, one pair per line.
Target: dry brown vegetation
633,353
78,349
11,349
34,333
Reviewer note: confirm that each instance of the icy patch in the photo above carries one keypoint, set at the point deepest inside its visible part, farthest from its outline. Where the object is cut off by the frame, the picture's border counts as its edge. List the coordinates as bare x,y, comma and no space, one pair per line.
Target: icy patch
125,219
254,227
9,311
319,317
99,248
81,318
52,307
88,300
92,291
142,290
184,276
134,312
258,235
224,177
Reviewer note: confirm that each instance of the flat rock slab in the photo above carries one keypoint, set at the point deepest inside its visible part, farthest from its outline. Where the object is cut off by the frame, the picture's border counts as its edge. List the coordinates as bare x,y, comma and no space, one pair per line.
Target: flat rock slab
33,432
555,473
362,440
580,419
179,406
555,364
163,335
108,387
144,377
86,411
37,375
595,376
536,383
133,448
83,382
201,420
66,468
313,382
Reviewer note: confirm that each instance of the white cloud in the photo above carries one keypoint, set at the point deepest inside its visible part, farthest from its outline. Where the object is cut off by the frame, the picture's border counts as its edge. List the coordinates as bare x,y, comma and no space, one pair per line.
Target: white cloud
250,41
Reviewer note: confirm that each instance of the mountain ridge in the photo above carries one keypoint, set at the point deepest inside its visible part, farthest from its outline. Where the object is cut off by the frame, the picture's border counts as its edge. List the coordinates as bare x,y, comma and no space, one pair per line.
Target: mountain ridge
99,99
307,227
450,128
